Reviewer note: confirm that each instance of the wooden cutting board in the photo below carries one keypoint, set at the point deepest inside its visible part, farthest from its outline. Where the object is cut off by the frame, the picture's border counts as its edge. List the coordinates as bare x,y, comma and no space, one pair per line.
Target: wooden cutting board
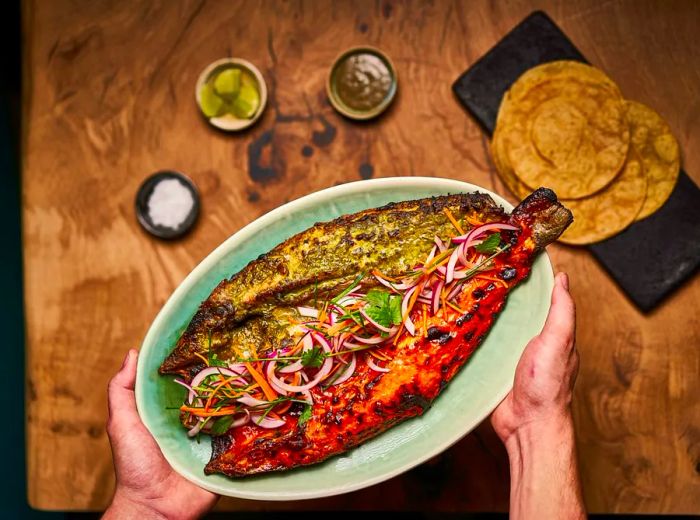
108,99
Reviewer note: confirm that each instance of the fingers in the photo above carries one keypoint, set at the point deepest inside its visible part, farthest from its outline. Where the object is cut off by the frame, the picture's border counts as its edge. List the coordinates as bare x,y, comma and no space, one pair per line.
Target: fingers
559,329
120,395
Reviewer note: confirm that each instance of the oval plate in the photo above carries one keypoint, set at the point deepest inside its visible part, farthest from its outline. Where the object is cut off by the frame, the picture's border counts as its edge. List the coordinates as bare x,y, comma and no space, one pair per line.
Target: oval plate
468,399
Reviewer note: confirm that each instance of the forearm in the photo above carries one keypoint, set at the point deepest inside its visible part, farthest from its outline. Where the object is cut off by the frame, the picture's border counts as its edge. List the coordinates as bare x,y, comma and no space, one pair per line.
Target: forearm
544,472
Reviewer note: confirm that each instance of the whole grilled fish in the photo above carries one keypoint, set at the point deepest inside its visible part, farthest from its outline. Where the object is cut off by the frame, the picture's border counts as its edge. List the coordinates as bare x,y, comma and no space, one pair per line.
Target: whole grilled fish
250,312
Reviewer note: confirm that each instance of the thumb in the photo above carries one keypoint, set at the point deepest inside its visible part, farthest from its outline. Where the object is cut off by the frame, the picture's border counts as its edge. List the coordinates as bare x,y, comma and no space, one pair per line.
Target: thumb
120,395
559,329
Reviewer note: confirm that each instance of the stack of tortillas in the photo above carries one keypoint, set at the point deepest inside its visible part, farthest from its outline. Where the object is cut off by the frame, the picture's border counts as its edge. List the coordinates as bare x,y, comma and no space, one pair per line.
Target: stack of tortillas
565,125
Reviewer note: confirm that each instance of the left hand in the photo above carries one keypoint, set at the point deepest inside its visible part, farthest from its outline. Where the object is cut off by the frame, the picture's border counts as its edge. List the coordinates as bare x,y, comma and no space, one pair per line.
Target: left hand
147,487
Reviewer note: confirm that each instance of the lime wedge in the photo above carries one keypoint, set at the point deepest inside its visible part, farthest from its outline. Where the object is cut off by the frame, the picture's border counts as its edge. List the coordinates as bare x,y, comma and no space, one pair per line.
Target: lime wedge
246,104
227,83
210,103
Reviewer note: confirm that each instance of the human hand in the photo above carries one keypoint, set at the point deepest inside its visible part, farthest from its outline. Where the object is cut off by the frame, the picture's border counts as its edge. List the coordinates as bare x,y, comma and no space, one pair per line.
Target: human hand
544,378
147,487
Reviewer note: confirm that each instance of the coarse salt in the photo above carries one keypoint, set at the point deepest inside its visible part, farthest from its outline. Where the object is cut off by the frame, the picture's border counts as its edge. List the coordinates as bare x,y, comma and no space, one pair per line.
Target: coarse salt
170,203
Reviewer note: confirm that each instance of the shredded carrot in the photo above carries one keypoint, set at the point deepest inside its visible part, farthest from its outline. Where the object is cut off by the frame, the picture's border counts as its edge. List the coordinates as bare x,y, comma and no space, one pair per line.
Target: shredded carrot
266,388
377,272
225,382
441,262
453,220
425,320
398,334
492,279
473,221
206,361
455,307
378,355
213,413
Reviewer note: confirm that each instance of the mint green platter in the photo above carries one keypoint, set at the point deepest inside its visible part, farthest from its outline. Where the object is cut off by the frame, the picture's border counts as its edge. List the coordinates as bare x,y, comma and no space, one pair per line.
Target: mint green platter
468,400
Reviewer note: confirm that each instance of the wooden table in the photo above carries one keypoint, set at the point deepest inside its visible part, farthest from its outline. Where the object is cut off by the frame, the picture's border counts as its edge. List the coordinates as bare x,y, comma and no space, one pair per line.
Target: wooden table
108,99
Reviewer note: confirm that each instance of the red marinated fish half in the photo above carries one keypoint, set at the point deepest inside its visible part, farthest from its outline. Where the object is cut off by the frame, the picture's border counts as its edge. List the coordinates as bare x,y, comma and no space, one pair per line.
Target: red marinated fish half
344,330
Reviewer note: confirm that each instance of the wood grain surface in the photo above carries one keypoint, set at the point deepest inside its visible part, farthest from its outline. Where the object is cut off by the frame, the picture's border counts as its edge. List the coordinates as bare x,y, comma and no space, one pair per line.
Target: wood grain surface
108,99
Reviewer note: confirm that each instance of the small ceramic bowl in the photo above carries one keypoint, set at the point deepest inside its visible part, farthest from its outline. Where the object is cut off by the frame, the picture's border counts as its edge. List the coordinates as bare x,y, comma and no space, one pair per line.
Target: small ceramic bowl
143,197
336,99
230,123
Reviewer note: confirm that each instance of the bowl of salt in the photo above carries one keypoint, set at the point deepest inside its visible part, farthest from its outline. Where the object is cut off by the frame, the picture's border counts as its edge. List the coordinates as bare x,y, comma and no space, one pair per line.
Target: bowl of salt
167,204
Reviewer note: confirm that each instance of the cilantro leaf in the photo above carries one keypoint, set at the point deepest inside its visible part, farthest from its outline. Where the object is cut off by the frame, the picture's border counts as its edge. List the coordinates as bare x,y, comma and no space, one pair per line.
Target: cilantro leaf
305,415
221,425
490,245
313,357
384,308
395,309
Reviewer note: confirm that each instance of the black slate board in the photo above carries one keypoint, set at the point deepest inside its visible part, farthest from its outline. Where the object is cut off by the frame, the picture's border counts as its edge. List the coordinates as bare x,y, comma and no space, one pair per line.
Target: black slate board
652,257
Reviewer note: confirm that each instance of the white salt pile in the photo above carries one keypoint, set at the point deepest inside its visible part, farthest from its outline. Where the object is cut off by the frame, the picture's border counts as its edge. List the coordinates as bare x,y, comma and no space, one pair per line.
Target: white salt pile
170,203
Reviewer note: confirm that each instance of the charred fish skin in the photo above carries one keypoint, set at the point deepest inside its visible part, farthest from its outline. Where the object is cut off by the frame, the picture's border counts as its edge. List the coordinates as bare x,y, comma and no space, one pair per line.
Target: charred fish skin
322,258
422,365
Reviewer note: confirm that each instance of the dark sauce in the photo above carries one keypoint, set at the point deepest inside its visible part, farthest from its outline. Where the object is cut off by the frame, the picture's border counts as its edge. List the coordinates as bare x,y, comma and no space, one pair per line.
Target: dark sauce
362,80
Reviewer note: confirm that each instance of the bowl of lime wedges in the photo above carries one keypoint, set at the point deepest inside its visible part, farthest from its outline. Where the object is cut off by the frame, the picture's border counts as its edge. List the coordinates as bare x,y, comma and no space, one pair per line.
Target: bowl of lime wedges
231,94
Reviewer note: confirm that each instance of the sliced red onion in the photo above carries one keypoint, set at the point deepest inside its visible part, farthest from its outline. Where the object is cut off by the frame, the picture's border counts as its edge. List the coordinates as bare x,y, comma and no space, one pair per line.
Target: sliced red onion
197,427
348,371
241,420
369,341
431,255
462,273
191,393
410,327
321,340
441,246
320,375
453,292
290,369
203,374
435,303
266,422
308,312
307,396
402,286
441,269
269,371
351,345
278,389
252,401
238,368
377,325
348,300
451,264
478,231
371,364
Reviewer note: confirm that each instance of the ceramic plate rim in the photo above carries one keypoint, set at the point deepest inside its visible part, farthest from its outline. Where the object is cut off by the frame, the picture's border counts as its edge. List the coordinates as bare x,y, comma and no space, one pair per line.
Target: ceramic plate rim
434,183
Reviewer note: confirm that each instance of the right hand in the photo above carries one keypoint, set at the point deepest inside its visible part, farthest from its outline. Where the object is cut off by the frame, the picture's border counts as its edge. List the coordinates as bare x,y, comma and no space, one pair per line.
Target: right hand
544,379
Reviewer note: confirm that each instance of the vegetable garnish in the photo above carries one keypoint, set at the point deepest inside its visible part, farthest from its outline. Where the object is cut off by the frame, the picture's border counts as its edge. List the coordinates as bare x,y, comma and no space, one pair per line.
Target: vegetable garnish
333,338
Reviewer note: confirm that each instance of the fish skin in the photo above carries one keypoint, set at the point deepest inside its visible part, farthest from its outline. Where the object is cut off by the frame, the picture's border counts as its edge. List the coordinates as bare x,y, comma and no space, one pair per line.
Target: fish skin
369,403
343,416
393,238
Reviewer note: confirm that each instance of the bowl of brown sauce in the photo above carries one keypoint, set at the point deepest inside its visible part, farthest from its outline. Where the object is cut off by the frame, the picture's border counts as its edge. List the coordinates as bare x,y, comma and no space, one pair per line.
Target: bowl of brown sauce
362,83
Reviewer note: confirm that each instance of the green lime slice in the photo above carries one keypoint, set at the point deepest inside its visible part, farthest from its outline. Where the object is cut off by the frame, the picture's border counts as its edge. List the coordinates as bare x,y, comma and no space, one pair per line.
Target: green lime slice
210,103
227,83
246,104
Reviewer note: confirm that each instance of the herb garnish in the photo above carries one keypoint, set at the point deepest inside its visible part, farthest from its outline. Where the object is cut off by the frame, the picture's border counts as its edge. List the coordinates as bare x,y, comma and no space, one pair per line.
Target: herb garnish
305,415
384,308
490,245
221,425
313,357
